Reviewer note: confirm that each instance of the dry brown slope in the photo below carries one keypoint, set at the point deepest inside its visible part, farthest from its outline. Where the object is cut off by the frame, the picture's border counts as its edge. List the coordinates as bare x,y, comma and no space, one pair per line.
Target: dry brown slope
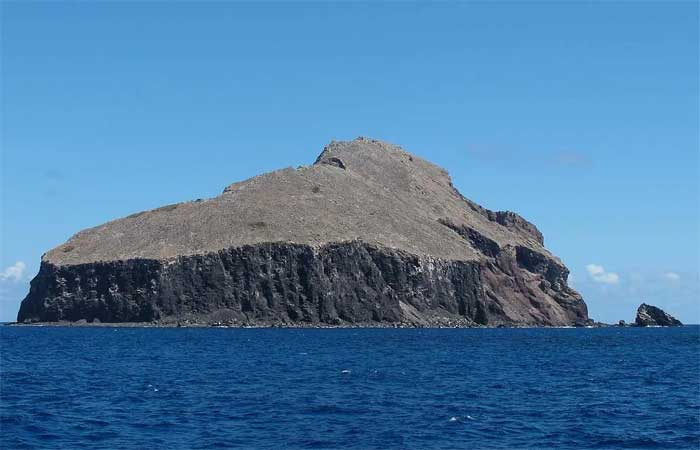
382,195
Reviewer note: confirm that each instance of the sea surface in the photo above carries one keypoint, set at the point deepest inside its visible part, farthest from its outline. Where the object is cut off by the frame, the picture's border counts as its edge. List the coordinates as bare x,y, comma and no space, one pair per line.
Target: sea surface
155,388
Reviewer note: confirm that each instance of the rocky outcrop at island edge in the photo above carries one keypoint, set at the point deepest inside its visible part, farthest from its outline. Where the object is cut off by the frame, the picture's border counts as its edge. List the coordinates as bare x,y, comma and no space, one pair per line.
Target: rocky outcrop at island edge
651,316
369,234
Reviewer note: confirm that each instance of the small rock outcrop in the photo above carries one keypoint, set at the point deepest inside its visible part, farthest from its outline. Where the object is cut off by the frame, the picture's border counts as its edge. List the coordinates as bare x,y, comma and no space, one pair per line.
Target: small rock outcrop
368,235
651,316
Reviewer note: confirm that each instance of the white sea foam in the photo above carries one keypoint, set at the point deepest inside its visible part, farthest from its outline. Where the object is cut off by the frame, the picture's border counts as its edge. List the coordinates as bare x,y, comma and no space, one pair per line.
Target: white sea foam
345,371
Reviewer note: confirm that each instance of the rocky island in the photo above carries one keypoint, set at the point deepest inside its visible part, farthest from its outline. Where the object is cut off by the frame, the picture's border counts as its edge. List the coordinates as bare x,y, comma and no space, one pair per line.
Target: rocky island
368,235
651,316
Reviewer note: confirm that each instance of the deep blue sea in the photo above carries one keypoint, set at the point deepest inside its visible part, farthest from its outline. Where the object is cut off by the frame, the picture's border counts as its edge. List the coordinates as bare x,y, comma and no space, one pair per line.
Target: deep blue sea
151,388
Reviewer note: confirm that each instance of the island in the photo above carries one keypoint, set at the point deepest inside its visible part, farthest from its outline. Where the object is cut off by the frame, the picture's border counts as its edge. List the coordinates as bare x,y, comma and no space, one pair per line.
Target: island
368,235
652,316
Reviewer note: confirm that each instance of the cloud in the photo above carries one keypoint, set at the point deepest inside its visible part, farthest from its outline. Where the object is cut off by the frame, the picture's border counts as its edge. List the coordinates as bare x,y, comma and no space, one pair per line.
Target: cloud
673,277
13,273
599,275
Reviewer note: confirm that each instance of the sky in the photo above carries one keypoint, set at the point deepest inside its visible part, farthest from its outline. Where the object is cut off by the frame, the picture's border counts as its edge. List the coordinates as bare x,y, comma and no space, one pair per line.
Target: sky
582,117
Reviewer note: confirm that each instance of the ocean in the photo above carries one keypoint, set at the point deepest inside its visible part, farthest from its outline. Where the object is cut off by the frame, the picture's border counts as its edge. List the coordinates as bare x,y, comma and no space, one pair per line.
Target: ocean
217,388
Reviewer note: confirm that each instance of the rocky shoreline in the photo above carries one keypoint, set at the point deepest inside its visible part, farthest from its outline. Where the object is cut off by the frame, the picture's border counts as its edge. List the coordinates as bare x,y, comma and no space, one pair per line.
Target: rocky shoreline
294,325
648,316
371,325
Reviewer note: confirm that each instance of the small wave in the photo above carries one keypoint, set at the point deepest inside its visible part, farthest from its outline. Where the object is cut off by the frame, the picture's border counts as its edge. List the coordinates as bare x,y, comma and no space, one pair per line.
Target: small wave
460,418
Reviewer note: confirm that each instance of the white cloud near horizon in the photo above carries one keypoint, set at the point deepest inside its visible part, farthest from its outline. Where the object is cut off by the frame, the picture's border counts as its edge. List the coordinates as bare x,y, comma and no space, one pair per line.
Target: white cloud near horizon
600,275
14,273
673,277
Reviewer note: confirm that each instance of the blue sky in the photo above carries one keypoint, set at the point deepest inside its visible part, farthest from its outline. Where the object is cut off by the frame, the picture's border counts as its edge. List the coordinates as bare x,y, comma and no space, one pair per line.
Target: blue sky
582,117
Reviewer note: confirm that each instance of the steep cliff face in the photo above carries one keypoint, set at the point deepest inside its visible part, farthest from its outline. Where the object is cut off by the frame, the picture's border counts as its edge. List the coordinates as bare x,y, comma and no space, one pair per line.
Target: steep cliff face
369,234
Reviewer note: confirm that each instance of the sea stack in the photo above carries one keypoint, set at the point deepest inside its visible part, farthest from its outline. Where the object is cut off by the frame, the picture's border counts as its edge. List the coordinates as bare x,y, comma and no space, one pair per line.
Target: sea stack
651,316
368,235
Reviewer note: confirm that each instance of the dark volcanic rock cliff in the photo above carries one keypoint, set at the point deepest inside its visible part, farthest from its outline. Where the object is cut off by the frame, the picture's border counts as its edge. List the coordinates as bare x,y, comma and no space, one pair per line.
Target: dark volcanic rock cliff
369,234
